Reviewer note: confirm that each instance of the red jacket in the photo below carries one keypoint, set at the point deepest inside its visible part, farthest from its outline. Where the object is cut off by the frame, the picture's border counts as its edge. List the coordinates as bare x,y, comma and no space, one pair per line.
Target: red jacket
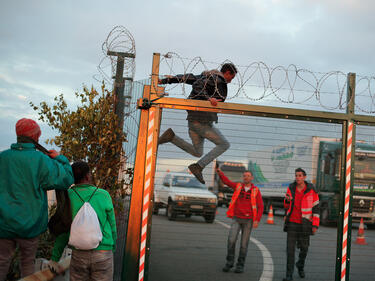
254,209
309,204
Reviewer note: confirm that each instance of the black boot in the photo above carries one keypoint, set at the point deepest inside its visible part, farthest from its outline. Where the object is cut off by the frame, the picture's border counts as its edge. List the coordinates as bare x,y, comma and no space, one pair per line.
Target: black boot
227,266
196,170
239,268
301,272
300,266
288,278
167,136
240,265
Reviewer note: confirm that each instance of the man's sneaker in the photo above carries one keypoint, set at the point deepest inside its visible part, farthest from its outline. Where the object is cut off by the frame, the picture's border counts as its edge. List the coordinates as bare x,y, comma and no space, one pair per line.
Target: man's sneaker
227,267
239,268
288,278
196,170
167,136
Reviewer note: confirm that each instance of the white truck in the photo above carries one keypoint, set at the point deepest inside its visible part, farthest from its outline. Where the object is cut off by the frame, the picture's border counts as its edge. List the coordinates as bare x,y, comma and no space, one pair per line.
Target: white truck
183,194
321,159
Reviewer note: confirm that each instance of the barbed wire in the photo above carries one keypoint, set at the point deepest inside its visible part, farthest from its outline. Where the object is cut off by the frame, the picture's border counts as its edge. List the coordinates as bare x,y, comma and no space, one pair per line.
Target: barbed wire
258,82
119,39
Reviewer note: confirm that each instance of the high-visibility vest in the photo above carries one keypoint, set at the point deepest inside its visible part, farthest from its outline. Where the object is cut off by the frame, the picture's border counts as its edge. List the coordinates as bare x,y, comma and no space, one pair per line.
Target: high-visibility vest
309,201
253,200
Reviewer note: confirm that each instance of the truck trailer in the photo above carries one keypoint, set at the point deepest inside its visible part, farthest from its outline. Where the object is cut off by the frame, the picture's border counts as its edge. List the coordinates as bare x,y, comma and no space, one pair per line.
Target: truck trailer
320,157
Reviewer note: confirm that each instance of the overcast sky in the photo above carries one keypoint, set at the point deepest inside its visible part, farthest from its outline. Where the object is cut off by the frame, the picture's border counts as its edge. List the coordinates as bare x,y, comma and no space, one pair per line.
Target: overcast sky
48,47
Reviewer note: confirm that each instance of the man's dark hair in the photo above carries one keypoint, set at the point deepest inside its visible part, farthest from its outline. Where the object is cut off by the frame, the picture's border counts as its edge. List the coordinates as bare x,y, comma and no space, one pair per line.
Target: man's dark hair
300,170
228,66
248,171
80,170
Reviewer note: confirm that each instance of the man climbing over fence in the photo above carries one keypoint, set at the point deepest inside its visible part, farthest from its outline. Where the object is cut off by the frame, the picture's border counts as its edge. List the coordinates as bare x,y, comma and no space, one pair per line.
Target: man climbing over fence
212,86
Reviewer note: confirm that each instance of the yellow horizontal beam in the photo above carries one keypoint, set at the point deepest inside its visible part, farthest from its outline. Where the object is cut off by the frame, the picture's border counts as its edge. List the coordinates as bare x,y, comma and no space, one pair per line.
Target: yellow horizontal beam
258,110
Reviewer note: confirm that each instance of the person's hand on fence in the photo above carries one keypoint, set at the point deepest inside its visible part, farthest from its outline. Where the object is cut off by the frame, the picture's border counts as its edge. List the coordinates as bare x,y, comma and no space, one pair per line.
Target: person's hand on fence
213,101
165,79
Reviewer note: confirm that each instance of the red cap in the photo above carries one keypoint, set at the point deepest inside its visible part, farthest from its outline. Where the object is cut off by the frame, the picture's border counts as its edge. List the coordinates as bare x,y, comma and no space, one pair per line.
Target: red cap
28,128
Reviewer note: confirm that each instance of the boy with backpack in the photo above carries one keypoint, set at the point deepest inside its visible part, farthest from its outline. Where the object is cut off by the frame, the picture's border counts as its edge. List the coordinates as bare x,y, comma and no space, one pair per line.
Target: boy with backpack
93,232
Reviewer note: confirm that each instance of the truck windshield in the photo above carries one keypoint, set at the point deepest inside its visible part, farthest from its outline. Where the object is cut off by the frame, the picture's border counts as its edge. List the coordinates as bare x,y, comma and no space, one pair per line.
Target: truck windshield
364,168
183,181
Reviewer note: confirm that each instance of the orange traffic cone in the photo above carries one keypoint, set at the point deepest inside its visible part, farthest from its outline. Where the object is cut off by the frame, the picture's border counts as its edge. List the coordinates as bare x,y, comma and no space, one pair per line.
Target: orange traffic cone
270,216
361,234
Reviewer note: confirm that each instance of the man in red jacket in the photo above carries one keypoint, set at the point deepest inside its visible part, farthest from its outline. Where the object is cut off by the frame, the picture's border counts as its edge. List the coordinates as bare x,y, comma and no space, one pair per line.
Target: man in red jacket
246,209
301,221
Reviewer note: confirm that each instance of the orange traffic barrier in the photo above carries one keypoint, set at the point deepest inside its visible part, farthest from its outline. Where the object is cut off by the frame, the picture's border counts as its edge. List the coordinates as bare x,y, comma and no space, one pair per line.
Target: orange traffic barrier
361,234
270,216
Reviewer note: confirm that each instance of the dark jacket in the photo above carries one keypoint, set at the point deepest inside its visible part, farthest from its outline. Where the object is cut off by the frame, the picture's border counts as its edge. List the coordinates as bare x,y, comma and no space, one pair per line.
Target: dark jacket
209,84
309,207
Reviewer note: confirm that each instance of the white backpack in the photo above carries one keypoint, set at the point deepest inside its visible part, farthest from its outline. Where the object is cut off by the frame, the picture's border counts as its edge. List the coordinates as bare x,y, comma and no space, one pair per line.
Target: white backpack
85,233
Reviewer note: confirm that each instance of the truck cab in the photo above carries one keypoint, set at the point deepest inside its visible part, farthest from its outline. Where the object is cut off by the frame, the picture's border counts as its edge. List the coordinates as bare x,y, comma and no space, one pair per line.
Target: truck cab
234,171
328,182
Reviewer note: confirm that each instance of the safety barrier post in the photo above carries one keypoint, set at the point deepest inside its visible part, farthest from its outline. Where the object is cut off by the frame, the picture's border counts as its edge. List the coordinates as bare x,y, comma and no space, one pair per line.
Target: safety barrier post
344,227
139,223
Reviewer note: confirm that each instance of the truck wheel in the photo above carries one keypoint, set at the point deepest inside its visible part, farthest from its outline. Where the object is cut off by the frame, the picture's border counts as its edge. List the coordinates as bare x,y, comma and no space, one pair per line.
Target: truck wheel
187,215
219,204
324,214
170,214
209,218
266,206
155,210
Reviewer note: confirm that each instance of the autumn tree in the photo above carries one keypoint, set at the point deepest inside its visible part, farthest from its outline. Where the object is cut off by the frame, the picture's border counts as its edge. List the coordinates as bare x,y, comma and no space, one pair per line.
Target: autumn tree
90,133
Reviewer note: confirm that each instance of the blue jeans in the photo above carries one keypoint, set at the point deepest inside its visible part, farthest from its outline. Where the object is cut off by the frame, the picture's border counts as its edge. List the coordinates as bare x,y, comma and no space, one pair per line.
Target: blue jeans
245,225
198,131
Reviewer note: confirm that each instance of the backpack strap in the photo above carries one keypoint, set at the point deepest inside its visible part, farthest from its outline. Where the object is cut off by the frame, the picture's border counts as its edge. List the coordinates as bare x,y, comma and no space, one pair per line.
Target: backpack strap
92,194
101,226
81,197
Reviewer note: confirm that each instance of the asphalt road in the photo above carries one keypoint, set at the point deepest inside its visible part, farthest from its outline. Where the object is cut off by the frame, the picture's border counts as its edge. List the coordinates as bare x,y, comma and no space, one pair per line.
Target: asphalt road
189,249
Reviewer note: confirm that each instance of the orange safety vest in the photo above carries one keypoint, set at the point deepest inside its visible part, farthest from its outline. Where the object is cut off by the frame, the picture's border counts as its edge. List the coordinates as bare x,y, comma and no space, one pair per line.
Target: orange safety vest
309,201
253,199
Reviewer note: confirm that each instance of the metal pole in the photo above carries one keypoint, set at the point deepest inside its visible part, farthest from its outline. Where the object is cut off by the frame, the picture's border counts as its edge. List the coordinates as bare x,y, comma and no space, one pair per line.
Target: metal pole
119,84
347,169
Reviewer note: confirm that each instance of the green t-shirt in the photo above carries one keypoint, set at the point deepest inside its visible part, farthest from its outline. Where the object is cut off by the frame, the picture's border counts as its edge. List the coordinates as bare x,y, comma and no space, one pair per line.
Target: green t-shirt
102,204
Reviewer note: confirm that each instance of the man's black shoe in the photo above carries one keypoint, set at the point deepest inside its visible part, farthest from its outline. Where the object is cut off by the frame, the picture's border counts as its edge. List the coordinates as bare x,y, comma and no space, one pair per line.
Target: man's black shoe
301,272
196,170
239,269
227,267
167,136
288,278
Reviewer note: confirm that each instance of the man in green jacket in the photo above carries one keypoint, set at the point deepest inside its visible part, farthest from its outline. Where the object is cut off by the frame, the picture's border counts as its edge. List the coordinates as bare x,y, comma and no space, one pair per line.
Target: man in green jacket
95,264
25,176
